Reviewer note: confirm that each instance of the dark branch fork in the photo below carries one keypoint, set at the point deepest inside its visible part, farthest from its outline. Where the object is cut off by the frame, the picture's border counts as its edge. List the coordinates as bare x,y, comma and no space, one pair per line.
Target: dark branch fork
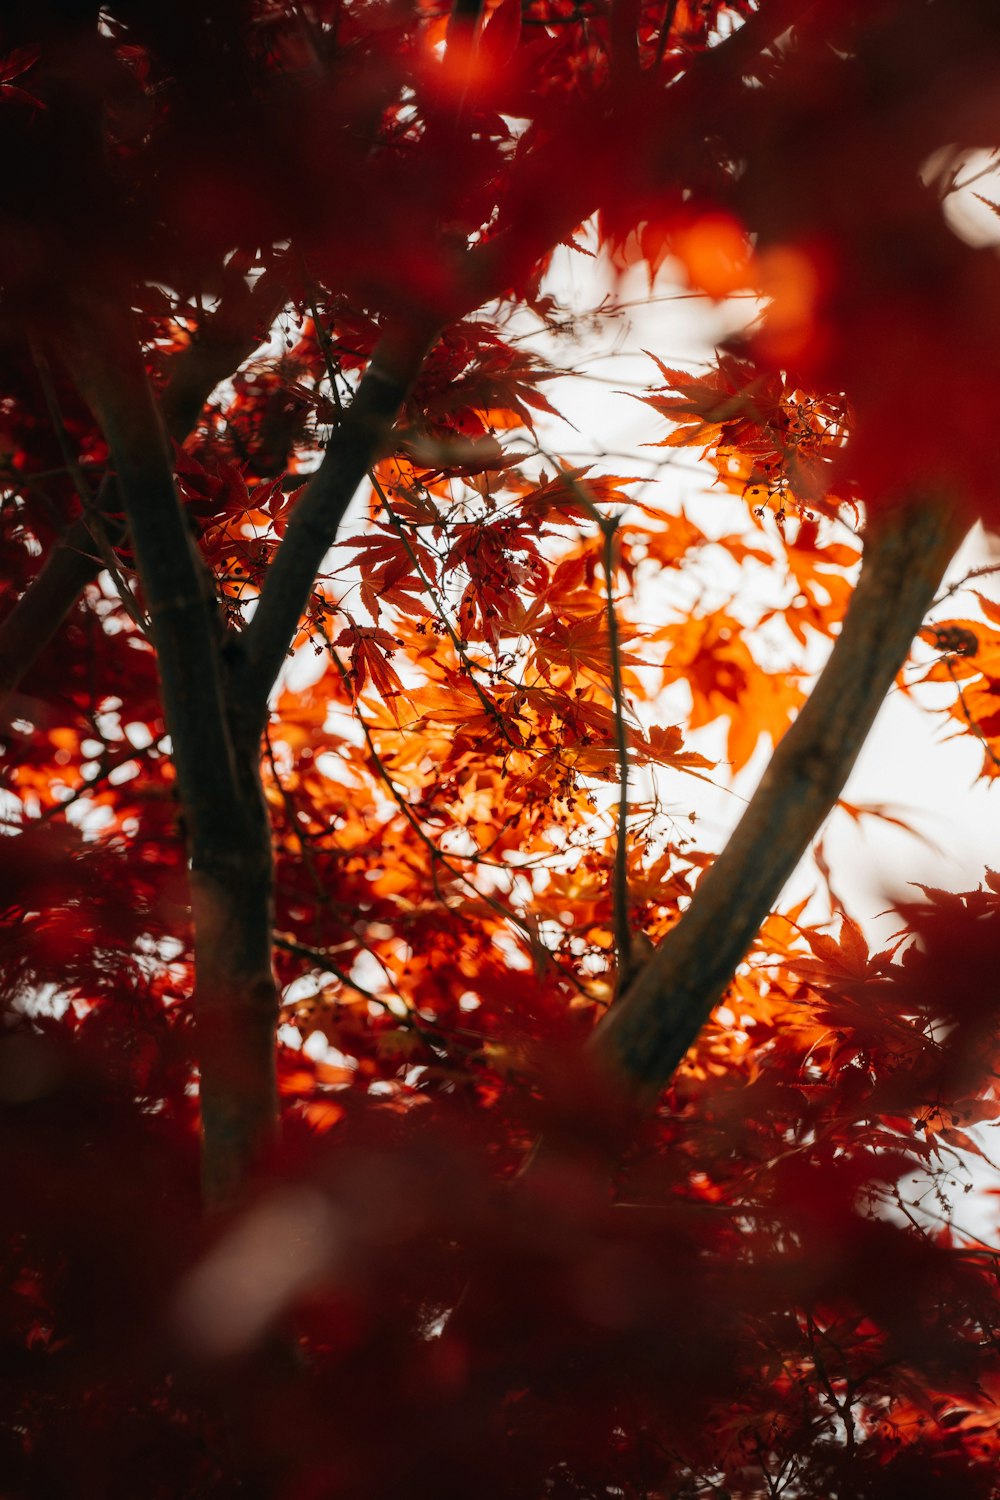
216,716
215,693
229,336
215,687
236,327
349,455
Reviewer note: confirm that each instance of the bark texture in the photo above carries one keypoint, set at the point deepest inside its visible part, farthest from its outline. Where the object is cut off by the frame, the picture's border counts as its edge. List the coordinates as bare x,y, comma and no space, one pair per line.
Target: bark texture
236,1013
215,694
215,738
647,1033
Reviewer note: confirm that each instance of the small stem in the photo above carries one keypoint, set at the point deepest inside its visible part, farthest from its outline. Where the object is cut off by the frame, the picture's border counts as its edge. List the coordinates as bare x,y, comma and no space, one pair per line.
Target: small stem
95,520
322,336
981,572
666,28
976,728
439,605
620,896
321,958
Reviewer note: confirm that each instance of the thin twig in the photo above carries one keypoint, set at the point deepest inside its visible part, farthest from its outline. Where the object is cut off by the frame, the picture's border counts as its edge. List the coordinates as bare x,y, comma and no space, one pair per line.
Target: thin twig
484,698
95,521
973,725
438,856
292,818
666,28
963,582
322,336
624,944
620,895
383,771
321,958
106,764
434,1034
843,1407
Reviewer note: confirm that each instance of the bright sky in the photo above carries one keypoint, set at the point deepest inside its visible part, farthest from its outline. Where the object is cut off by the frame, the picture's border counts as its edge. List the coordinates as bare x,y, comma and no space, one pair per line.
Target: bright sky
912,765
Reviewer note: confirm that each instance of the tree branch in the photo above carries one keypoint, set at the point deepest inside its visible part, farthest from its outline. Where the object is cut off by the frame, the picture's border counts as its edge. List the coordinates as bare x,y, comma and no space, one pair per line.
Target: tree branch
216,755
666,27
217,350
92,515
620,894
646,1035
107,362
350,453
74,562
230,335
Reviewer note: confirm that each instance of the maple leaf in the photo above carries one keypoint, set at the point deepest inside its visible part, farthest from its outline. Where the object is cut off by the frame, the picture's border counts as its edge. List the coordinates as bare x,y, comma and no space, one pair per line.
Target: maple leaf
706,407
487,554
968,657
574,493
663,746
474,383
823,590
580,648
371,650
15,65
845,958
768,440
387,563
670,544
710,655
462,705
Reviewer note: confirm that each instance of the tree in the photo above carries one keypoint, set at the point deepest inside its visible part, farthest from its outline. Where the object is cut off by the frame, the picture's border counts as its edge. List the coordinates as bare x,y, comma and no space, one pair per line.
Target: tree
547,1221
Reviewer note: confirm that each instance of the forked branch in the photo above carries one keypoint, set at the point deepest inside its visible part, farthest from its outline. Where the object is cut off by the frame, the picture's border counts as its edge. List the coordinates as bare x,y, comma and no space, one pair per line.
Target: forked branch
230,335
351,452
107,364
215,753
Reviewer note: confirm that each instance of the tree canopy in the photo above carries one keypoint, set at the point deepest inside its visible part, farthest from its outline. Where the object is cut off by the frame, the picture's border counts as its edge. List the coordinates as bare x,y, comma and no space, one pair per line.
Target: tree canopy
397,1097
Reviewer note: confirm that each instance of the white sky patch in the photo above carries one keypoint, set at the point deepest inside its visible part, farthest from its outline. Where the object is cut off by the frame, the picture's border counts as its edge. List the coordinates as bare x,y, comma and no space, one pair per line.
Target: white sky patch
969,184
913,764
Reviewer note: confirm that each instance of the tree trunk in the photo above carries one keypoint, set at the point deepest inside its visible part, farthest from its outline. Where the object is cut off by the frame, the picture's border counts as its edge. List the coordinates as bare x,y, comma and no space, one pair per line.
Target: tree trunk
235,991
236,1012
215,727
